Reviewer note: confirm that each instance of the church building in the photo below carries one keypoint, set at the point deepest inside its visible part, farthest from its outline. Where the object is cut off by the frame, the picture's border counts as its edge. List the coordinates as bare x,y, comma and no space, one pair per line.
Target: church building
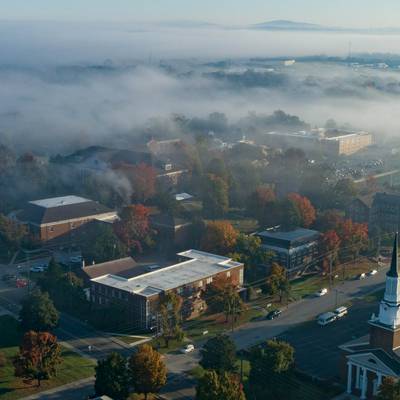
368,360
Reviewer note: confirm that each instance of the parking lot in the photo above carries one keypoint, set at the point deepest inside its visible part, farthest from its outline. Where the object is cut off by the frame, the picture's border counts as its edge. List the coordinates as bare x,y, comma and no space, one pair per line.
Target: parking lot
316,347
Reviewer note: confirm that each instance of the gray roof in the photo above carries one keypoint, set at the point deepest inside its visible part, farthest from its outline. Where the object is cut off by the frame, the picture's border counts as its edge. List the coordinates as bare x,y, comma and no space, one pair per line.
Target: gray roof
61,209
200,265
122,267
296,234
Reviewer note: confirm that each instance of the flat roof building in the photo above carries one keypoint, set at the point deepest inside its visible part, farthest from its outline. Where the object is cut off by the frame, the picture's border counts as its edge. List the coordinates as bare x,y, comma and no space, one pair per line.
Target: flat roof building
294,250
187,278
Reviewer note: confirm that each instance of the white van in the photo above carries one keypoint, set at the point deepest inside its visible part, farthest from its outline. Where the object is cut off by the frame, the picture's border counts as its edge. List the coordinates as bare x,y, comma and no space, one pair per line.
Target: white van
341,312
326,318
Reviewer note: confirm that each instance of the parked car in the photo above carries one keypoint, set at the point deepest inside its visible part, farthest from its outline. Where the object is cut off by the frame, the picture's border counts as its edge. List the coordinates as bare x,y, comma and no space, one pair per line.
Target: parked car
362,276
76,259
326,318
20,283
321,292
37,268
8,277
273,314
373,272
188,349
341,312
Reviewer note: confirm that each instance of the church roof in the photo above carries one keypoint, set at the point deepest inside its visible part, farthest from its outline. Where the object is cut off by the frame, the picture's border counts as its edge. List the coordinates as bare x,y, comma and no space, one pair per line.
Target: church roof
394,267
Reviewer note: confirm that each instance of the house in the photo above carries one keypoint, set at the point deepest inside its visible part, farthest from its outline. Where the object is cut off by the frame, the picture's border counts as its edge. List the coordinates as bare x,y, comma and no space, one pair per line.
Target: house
359,209
187,278
295,250
368,360
385,212
50,218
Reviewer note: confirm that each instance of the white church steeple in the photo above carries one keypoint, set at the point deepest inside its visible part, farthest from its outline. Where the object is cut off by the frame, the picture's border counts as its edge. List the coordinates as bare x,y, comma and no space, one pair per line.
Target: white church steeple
389,310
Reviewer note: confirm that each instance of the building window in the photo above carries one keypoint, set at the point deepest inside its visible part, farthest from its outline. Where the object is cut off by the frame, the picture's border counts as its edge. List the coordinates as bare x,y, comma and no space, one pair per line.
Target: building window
209,280
200,284
228,274
51,229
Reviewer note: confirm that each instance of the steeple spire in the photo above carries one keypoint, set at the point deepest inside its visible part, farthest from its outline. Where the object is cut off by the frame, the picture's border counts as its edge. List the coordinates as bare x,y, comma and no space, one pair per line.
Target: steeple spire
394,270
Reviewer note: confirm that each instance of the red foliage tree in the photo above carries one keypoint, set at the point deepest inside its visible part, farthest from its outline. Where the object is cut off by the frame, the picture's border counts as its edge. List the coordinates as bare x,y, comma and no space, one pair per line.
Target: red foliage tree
133,228
354,236
306,209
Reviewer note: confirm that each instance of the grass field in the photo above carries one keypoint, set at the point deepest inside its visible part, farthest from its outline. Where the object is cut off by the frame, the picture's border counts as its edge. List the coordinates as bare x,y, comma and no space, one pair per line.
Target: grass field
72,368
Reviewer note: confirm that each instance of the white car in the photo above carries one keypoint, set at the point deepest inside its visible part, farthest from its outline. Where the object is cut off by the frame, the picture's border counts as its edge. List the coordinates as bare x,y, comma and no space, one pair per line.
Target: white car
188,349
341,312
321,292
361,276
373,272
326,318
37,268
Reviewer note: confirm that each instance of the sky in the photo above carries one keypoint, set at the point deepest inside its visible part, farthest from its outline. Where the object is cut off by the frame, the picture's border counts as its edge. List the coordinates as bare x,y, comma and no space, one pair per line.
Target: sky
343,13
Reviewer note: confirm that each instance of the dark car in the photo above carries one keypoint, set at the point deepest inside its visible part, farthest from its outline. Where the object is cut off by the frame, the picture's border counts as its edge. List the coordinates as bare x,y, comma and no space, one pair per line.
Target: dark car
273,314
9,277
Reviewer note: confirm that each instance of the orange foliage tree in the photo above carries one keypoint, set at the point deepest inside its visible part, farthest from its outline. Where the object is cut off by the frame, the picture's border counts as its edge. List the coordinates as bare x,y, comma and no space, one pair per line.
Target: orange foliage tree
354,236
329,247
219,237
39,356
305,208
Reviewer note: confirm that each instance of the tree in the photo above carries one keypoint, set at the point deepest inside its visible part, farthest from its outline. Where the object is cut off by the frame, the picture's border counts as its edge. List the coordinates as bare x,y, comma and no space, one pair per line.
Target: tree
259,201
103,246
290,217
214,386
277,281
147,370
344,190
305,208
275,359
142,178
170,313
248,250
215,196
12,234
219,353
38,312
354,236
328,220
329,246
39,356
133,228
2,360
389,390
222,296
219,237
112,378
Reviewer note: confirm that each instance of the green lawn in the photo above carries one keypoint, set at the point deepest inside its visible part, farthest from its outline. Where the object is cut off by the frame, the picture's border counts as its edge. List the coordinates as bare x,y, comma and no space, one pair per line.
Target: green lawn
73,367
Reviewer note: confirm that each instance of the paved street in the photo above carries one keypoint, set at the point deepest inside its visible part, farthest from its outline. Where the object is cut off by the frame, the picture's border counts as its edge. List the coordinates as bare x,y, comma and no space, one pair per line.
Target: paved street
299,318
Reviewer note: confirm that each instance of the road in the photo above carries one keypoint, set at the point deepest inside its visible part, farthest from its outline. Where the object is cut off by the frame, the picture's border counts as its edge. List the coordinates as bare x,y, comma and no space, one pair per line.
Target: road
180,386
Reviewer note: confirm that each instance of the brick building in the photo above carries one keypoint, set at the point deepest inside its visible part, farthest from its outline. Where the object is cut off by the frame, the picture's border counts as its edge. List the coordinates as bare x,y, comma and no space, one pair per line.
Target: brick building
187,278
359,209
385,212
368,360
55,217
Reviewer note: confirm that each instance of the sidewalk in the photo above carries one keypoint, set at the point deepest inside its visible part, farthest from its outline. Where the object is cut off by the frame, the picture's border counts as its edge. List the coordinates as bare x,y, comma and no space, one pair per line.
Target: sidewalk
77,390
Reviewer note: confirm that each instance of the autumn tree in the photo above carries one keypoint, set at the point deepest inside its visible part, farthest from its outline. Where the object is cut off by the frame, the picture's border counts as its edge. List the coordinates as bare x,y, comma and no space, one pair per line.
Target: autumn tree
289,215
219,354
112,378
170,314
142,178
389,390
277,282
344,190
133,228
38,312
329,245
214,386
221,296
328,220
215,196
219,237
12,234
259,202
39,356
306,210
147,370
354,237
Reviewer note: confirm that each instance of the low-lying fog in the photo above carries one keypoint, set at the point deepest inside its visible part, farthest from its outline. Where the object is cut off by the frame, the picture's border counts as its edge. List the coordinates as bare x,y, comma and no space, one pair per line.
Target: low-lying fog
68,85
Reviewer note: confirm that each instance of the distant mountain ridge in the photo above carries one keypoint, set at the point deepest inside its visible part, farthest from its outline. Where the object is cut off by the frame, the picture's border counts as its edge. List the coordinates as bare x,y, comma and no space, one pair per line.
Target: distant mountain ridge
291,25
